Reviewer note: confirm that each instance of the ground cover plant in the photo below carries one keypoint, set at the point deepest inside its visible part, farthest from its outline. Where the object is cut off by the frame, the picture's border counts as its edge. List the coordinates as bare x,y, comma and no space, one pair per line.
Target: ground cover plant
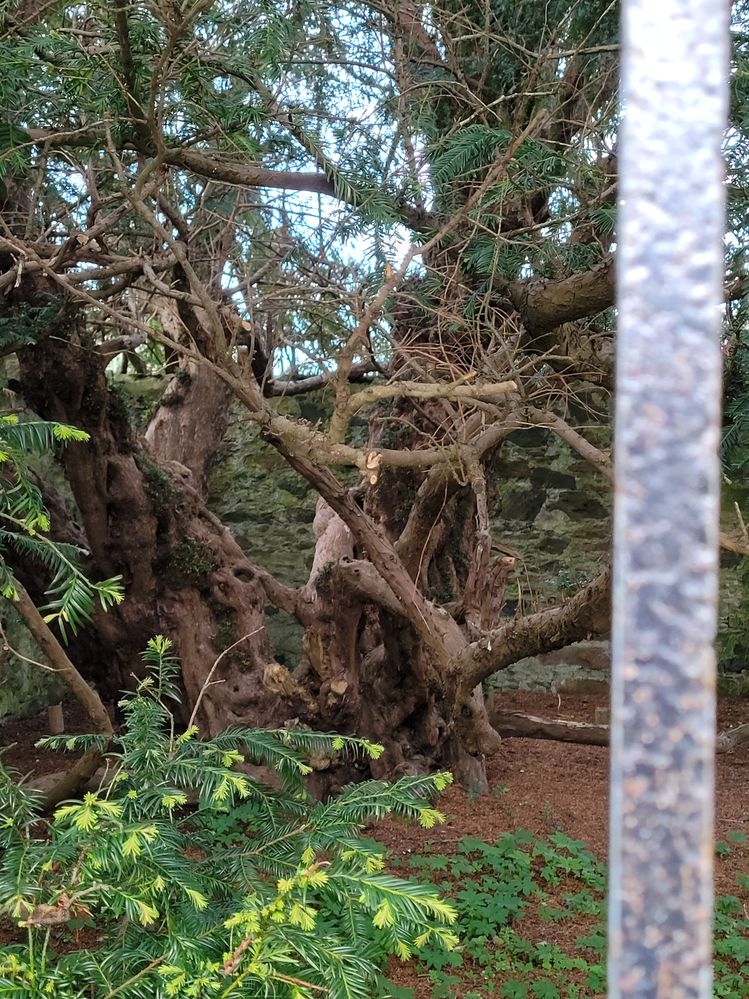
184,876
532,921
529,904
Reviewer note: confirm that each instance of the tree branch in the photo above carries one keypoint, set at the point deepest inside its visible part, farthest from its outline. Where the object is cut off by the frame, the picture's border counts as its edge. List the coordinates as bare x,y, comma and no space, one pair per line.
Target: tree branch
110,348
436,629
732,738
431,499
731,544
428,390
587,612
363,579
545,305
475,587
292,386
248,175
85,767
516,725
599,459
285,598
229,172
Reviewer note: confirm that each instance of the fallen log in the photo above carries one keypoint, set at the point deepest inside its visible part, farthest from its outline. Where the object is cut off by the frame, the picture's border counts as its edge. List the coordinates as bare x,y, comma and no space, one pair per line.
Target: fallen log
732,738
516,725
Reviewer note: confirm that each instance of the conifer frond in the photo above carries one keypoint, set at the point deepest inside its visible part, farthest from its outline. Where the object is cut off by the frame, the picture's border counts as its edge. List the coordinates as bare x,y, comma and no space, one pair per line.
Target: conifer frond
181,858
25,523
467,150
38,436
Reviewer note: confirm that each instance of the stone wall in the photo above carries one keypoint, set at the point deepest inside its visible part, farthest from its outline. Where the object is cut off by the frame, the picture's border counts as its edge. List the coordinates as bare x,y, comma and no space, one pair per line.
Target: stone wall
25,687
550,508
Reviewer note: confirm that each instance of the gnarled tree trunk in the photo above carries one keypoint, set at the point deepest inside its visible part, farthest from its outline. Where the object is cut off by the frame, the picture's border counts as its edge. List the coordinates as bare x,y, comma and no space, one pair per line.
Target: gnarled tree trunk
143,518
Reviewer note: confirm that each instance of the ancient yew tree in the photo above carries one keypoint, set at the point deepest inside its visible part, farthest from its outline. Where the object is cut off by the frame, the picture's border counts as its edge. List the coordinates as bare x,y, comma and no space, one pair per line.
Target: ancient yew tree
407,208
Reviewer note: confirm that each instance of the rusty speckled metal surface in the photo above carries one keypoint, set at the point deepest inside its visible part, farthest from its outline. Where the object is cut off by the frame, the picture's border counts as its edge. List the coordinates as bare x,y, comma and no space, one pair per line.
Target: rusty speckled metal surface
669,271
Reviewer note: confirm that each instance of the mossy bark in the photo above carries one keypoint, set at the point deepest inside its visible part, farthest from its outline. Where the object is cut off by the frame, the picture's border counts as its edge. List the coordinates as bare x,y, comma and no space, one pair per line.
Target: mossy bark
144,517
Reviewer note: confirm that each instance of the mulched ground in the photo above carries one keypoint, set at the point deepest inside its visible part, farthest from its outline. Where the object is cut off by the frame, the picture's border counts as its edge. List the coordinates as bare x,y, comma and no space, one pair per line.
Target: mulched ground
548,786
544,786
535,785
18,738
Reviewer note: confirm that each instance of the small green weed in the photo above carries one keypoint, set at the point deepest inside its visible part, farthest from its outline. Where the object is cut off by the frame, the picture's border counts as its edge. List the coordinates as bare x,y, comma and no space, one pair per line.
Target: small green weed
532,921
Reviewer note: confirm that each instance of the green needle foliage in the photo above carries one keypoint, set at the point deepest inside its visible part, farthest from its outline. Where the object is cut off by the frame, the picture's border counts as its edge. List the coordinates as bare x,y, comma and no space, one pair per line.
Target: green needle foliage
24,526
184,876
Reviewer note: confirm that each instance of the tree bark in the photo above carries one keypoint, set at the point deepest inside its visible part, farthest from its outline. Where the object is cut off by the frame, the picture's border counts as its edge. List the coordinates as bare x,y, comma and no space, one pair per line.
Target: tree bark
515,724
184,574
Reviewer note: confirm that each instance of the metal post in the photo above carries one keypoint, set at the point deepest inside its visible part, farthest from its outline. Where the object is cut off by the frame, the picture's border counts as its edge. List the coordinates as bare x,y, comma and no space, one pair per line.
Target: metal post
670,268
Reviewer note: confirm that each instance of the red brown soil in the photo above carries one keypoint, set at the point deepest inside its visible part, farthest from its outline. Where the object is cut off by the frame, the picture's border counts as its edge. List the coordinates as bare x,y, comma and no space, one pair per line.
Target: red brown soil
18,739
535,785
544,786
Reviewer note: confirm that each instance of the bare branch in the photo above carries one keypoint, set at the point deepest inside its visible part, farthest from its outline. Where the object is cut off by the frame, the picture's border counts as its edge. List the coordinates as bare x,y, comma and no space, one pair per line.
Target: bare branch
599,459
436,629
110,348
291,386
517,725
85,767
473,597
732,738
363,579
432,497
731,544
586,613
514,724
429,390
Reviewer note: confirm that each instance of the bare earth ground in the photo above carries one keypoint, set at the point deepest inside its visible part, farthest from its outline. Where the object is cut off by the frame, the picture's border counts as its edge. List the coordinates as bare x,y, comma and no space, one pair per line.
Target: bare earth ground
535,785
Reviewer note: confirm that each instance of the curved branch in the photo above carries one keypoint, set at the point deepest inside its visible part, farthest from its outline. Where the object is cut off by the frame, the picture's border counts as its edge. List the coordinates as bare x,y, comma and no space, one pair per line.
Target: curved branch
731,544
436,629
431,499
249,175
85,767
231,172
128,342
363,579
732,738
587,612
545,305
282,596
599,459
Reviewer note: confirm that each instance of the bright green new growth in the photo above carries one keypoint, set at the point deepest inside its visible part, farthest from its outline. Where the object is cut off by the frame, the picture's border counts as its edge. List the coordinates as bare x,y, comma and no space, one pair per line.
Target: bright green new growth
24,525
200,880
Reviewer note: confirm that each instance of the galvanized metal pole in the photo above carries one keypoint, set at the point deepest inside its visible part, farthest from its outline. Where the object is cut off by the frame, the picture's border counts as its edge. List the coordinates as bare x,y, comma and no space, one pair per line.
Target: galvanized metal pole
670,267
